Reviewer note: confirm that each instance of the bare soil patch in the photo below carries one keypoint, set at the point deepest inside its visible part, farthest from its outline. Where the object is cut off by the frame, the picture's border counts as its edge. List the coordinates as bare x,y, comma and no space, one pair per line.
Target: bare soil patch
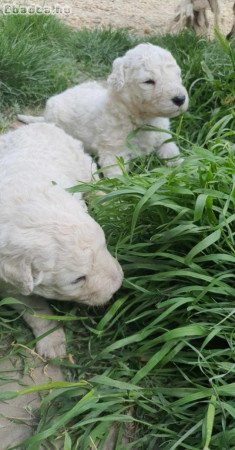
143,17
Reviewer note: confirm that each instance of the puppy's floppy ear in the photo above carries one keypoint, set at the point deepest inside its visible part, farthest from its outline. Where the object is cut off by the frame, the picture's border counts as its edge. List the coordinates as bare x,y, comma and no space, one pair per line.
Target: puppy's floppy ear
117,78
17,273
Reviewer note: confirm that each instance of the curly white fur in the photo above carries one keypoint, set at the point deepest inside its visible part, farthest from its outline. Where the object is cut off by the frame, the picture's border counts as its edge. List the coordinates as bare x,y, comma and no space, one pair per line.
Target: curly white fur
143,88
49,245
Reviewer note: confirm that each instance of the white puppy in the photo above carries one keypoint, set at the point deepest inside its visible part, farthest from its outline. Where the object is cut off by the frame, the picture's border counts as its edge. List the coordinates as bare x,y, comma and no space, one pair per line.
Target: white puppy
49,245
145,87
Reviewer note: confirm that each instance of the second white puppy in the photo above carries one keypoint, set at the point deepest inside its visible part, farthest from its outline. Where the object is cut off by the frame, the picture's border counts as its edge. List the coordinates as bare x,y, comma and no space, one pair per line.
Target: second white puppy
49,245
145,87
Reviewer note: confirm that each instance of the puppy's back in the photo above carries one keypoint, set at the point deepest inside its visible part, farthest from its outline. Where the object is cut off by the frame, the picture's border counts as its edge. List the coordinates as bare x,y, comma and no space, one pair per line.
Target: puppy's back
42,153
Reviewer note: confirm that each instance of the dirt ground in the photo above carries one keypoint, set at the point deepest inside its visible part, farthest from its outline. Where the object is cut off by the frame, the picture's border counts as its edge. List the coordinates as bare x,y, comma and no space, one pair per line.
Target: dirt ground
143,17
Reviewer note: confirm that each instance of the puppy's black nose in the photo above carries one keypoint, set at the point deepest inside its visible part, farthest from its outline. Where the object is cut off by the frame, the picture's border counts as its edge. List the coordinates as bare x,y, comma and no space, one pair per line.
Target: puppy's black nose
179,100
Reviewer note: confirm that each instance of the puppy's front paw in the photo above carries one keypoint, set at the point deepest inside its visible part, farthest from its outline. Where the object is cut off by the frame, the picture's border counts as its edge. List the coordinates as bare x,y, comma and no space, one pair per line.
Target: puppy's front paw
170,154
174,162
53,345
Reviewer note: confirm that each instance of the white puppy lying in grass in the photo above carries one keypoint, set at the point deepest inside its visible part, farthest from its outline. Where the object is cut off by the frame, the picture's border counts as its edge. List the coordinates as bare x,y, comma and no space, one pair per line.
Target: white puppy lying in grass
49,245
145,87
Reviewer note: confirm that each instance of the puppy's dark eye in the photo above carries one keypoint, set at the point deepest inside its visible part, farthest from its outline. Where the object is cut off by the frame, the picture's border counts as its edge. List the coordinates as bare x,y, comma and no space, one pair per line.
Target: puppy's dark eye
149,82
79,279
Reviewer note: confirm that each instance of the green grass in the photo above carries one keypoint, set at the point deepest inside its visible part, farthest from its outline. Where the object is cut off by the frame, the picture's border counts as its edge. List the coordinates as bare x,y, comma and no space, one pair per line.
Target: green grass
164,348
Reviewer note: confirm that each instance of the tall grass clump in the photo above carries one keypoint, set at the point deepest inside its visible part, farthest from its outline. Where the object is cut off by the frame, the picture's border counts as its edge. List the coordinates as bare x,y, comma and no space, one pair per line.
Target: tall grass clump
158,362
96,50
36,59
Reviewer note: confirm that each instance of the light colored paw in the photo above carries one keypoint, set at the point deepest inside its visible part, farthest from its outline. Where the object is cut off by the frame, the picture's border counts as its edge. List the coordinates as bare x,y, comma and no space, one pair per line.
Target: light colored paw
53,345
174,162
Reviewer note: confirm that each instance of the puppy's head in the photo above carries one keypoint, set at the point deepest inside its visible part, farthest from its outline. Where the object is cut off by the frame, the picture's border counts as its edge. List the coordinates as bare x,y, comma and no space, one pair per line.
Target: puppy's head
148,80
61,256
